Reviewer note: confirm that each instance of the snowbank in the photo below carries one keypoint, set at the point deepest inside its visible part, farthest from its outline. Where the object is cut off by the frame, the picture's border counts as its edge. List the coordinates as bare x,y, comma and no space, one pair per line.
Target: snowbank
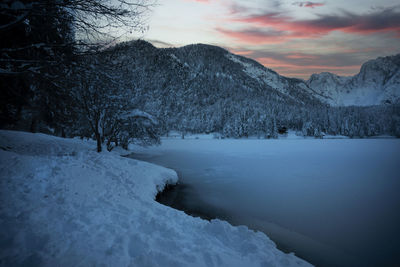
63,204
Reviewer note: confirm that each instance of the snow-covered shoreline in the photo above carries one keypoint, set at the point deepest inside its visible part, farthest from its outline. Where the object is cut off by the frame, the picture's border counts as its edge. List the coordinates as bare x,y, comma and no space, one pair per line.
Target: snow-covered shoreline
63,204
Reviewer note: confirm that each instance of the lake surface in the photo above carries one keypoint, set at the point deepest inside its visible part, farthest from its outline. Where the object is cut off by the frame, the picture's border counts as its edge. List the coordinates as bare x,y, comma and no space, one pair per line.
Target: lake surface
332,202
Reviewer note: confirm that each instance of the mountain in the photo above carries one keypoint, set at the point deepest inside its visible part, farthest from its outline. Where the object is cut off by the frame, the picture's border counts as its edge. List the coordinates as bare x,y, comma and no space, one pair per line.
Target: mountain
378,82
204,88
201,87
211,68
219,62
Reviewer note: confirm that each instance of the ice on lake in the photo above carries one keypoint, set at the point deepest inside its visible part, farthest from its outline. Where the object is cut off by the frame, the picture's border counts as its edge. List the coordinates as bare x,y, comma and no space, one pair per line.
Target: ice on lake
333,202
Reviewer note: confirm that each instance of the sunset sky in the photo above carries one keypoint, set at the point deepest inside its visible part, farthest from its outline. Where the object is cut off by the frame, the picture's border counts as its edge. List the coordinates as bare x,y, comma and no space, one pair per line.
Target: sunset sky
295,38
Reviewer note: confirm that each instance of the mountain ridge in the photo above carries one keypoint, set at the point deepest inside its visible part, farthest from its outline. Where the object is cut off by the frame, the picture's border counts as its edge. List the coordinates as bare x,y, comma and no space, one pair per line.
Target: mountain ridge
204,88
378,82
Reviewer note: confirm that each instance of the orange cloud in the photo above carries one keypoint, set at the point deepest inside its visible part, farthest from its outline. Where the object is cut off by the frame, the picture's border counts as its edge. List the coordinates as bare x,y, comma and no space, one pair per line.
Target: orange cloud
241,52
303,71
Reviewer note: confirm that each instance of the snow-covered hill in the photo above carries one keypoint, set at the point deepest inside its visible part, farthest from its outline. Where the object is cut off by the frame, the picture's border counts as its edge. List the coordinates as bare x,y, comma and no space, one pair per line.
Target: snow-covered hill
62,204
377,83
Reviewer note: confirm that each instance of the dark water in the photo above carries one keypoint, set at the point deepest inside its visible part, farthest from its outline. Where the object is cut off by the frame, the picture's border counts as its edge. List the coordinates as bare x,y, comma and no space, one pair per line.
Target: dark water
332,202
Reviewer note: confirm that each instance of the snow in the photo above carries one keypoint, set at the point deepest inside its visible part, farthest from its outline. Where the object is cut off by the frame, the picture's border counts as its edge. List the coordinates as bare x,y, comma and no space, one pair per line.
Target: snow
377,82
175,57
343,91
63,204
178,135
259,73
138,113
268,77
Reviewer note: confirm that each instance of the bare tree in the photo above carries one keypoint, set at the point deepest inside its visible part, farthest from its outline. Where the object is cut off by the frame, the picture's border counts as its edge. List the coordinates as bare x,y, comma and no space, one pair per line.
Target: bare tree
89,24
104,98
40,40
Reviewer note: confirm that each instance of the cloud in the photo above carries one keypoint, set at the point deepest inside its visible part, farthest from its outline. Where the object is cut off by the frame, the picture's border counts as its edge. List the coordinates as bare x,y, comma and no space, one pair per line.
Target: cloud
237,9
308,4
291,69
302,65
278,27
330,60
241,52
256,35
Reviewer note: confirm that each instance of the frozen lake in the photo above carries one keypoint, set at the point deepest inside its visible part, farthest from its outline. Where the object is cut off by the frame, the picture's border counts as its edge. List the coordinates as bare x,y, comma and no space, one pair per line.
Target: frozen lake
333,202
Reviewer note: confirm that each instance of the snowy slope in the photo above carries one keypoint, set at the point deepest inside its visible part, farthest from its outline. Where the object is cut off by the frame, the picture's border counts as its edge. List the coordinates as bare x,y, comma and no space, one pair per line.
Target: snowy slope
377,83
295,89
62,204
259,72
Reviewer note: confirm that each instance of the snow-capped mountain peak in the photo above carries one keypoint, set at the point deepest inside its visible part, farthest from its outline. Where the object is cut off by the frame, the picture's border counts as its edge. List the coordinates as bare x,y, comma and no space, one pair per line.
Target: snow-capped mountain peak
378,82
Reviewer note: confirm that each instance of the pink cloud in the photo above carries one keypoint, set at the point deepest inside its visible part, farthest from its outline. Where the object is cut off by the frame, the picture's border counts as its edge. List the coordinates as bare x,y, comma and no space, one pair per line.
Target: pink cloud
241,52
302,65
285,27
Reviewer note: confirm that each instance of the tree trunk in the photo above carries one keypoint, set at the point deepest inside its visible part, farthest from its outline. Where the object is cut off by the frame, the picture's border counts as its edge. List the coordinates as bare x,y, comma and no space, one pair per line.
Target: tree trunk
32,127
98,139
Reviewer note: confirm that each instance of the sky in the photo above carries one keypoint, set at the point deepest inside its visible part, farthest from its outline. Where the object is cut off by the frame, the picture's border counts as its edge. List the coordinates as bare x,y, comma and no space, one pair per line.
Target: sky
294,38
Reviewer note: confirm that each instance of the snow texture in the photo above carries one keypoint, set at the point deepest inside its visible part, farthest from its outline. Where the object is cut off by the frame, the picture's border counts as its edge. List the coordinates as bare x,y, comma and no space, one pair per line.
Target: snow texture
62,204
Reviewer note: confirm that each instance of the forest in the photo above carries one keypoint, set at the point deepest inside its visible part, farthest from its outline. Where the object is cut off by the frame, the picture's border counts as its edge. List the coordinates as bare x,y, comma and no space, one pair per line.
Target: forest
62,73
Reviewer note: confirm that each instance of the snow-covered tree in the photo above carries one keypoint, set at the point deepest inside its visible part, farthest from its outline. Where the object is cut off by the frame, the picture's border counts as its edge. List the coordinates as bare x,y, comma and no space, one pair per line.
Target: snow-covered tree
106,101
